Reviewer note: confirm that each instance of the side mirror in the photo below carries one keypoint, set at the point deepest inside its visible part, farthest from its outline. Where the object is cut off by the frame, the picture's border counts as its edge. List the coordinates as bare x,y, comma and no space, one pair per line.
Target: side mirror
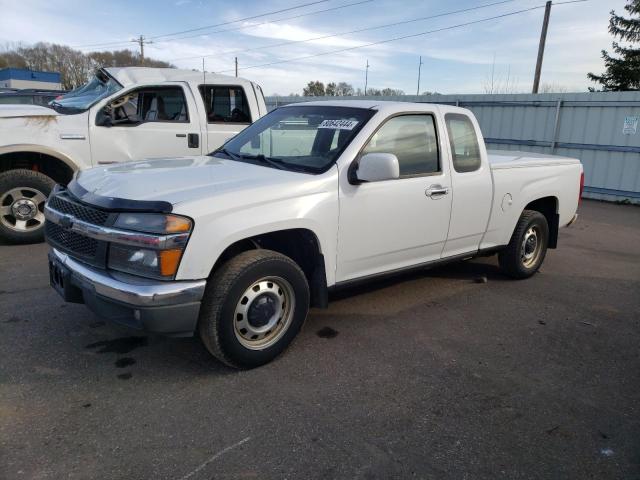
375,167
255,141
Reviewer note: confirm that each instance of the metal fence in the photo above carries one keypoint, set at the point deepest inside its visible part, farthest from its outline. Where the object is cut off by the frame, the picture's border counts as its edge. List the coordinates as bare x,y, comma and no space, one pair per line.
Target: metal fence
602,129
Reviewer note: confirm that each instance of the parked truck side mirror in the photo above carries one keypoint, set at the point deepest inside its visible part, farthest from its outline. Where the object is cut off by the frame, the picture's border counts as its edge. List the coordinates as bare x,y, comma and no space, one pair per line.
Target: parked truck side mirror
375,167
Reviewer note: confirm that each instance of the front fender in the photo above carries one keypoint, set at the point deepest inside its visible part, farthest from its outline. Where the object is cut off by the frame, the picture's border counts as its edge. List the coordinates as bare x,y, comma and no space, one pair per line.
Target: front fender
215,232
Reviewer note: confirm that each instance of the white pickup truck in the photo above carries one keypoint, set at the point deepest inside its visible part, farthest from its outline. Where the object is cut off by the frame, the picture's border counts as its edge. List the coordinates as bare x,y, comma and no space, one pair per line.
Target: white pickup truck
122,114
239,244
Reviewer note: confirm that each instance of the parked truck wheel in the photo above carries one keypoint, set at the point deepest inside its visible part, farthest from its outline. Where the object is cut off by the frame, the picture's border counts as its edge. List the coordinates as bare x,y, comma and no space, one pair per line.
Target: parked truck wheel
528,246
22,197
253,307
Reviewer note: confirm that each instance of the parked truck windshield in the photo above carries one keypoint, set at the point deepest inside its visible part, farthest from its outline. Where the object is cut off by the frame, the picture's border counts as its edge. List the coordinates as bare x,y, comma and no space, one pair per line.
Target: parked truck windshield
80,99
308,138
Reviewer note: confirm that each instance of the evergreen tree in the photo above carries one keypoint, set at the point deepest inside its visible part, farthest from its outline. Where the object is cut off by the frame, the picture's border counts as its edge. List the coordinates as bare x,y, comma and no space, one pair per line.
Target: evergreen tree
623,70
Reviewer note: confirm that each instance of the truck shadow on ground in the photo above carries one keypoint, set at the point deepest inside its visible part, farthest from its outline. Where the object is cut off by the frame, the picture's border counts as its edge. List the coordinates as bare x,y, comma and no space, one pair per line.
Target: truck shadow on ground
131,355
480,270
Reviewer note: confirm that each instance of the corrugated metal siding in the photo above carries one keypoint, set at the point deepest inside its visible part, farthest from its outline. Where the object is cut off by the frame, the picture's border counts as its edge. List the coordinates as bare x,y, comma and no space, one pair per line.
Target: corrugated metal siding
589,127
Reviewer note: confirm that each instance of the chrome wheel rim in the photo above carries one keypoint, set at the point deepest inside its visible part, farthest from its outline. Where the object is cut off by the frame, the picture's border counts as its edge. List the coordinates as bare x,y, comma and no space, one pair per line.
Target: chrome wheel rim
22,209
531,247
264,312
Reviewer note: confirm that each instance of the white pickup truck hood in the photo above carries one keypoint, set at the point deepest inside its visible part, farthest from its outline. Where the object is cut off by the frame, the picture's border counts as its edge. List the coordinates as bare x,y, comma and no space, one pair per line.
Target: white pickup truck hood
185,179
14,111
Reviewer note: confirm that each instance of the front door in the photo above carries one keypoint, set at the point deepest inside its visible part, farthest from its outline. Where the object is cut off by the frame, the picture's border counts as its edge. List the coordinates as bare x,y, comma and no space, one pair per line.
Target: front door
393,224
148,122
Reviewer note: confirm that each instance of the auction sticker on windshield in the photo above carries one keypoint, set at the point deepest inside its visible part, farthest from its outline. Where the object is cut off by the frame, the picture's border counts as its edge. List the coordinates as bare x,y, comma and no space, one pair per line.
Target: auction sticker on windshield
338,124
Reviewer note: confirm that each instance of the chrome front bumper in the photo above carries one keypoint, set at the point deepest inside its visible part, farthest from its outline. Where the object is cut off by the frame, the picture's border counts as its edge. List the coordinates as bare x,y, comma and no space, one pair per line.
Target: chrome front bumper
170,308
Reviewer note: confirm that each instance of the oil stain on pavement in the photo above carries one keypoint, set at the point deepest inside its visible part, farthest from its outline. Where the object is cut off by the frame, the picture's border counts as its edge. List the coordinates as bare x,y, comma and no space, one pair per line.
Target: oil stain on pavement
119,345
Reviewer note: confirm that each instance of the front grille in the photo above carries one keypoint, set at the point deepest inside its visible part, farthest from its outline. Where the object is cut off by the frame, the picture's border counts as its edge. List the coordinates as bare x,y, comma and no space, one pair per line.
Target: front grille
62,203
71,242
86,249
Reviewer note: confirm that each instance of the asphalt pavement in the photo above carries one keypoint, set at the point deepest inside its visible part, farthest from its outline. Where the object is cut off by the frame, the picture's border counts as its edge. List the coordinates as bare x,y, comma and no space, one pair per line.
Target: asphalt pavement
438,374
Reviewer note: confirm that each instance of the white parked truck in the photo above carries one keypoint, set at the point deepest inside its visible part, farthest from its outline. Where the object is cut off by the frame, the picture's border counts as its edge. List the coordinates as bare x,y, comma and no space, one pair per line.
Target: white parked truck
122,114
237,245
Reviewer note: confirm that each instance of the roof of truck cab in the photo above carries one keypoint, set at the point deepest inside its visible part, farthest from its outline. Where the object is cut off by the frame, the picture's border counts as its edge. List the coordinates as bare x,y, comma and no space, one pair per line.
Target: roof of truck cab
129,76
381,105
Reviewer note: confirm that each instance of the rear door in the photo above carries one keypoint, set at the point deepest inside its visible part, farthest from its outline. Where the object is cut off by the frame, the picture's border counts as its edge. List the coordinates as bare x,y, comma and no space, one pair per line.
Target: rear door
471,183
147,122
228,111
394,224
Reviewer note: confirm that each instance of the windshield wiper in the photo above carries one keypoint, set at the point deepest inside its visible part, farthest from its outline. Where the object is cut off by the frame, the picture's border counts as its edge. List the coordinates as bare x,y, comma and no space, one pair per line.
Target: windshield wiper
274,162
271,161
228,153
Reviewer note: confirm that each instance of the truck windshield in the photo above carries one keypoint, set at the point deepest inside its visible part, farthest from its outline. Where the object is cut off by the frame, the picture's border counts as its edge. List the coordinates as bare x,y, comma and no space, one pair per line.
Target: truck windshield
299,138
80,99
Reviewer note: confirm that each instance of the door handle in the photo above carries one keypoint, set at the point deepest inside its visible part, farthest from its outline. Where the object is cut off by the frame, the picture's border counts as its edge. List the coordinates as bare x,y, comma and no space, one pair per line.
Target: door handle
181,135
193,140
436,191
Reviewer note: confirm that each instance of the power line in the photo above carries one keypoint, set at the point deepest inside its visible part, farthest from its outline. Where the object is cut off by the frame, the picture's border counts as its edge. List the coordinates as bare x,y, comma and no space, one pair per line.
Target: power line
359,30
214,25
266,22
451,27
242,19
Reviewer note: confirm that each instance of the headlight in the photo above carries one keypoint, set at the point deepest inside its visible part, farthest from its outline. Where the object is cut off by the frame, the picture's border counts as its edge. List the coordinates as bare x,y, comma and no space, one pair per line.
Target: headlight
152,263
161,264
153,223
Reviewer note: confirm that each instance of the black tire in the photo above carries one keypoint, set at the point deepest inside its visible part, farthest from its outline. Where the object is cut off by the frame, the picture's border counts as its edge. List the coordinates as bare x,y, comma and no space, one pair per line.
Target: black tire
226,290
512,259
31,182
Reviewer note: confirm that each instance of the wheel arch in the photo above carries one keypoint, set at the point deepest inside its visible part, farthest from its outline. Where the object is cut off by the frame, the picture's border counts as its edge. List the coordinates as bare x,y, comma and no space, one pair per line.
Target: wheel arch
302,245
547,206
52,163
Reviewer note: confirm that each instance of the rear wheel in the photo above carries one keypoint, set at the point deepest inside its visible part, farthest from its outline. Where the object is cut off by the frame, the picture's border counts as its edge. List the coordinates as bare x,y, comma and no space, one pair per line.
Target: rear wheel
23,194
528,246
253,307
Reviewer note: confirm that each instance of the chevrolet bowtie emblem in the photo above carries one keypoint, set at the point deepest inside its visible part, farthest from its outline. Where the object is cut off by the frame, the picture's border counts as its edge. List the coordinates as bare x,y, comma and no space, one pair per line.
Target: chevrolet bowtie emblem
66,221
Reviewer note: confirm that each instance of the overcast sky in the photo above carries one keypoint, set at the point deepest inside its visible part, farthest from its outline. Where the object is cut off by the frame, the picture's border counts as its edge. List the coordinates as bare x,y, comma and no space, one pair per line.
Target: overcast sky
458,60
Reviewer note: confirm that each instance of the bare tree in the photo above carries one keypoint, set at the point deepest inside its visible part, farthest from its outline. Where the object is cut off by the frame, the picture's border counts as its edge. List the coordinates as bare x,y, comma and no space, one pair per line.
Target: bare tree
74,67
344,89
553,88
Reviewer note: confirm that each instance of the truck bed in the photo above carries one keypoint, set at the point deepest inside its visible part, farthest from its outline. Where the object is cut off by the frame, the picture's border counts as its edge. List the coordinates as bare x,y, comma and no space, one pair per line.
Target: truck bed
502,159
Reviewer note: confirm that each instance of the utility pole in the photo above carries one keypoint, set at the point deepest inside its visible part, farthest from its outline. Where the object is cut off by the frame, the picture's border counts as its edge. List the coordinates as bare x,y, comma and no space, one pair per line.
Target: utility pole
543,39
141,41
236,66
419,67
366,78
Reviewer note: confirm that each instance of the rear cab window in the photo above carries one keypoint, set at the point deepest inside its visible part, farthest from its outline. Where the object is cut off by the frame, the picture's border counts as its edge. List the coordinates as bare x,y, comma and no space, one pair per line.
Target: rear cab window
225,104
465,149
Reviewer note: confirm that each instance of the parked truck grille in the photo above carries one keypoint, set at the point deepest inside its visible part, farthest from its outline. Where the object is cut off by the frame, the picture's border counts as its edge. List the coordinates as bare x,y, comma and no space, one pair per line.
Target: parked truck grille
64,204
71,242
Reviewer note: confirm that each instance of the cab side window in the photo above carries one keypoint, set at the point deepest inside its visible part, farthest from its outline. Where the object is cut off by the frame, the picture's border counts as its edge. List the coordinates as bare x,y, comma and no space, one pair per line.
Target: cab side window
411,138
465,149
166,104
225,104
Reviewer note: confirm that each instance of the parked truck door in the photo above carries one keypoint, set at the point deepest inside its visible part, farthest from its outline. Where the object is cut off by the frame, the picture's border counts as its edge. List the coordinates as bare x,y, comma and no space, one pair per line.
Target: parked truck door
146,122
472,185
228,110
393,224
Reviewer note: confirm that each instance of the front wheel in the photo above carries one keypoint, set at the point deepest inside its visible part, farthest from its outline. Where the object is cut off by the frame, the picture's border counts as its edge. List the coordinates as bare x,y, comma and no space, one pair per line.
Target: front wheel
23,194
253,307
528,246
